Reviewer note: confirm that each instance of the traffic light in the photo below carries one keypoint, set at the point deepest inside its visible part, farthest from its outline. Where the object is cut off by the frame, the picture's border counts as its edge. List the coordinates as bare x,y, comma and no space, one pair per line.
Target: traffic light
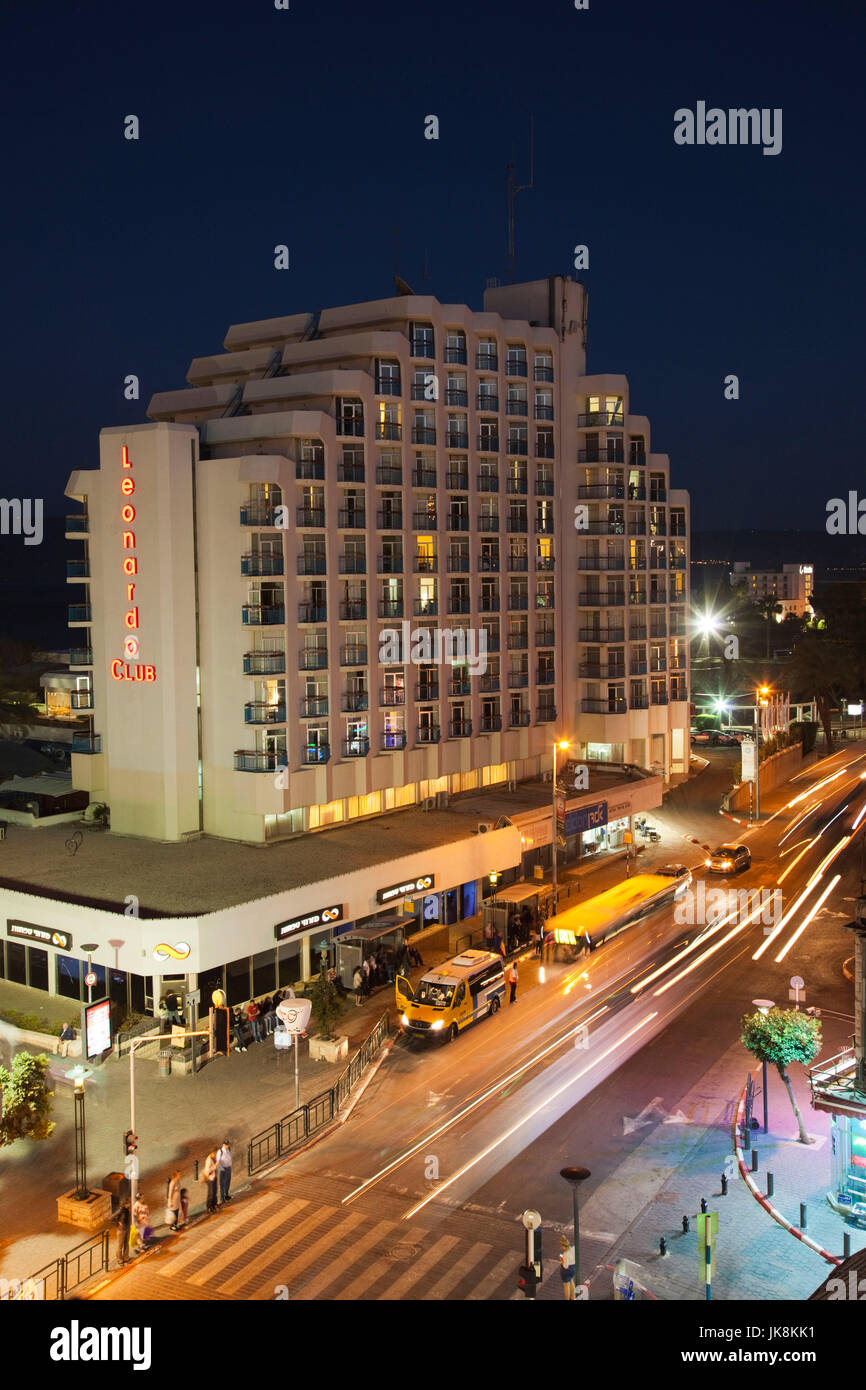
527,1280
130,1143
219,1032
537,1261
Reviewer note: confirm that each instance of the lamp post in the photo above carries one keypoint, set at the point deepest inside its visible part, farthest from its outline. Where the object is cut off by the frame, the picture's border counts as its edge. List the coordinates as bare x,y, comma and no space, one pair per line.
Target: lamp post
764,1006
562,744
574,1177
78,1075
760,701
89,947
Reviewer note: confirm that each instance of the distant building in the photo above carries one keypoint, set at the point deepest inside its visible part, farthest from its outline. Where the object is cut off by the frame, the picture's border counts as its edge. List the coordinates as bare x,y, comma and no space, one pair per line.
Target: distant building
791,586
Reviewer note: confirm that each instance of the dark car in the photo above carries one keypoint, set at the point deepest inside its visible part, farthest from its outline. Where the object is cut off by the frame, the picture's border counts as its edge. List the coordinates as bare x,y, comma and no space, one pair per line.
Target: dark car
728,740
729,859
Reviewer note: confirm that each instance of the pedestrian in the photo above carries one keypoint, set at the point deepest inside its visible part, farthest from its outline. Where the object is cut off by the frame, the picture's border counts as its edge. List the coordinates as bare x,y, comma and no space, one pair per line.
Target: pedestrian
498,947
224,1163
488,935
209,1178
67,1035
567,1267
358,985
237,1031
172,1201
142,1223
184,1207
365,971
255,1020
512,981
123,1221
173,1007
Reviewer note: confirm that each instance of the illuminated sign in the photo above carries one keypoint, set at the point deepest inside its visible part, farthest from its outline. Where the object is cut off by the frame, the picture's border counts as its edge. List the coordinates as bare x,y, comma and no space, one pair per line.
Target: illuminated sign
586,818
43,936
97,1028
398,890
128,669
320,918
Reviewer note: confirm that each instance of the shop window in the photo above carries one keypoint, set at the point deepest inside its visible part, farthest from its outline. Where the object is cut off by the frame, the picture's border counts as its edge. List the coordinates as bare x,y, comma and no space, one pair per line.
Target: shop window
38,968
328,814
69,977
238,981
264,973
289,962
406,796
468,899
208,981
16,963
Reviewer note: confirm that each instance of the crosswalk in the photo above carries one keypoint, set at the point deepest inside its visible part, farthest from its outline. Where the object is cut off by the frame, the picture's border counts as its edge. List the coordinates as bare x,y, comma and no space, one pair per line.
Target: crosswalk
279,1242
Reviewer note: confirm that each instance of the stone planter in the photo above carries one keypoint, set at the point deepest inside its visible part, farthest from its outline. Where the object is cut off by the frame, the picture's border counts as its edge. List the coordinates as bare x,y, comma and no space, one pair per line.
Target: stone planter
329,1049
91,1214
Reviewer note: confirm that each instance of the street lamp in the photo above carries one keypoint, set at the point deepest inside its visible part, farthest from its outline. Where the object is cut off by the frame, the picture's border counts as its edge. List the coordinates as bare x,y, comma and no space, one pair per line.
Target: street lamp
89,947
761,701
77,1076
764,1006
574,1177
561,745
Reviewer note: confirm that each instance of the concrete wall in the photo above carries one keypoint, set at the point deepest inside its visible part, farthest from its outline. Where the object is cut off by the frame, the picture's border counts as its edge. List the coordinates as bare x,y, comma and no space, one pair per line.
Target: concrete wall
781,767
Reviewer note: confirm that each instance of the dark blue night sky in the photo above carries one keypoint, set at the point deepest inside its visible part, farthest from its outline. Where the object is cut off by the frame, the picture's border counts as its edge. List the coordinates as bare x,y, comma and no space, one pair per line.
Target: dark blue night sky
261,126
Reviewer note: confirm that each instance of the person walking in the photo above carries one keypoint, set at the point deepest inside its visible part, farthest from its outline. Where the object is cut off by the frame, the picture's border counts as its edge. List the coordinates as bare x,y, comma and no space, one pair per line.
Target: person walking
209,1178
365,983
172,1201
358,985
224,1164
567,1268
184,1208
142,1223
123,1221
512,981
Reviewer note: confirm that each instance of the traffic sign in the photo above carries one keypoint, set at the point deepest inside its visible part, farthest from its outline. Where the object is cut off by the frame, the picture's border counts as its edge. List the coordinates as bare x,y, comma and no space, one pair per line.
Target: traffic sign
90,979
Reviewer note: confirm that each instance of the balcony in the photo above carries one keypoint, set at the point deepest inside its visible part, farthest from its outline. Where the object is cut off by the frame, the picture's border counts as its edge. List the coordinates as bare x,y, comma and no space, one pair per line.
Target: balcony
254,564
600,455
354,701
268,663
545,676
79,613
387,386
544,449
636,494
313,754
601,562
542,374
459,603
460,728
545,714
353,656
492,641
389,521
658,494
544,525
428,733
352,518
594,671
519,484
389,429
424,521
390,564
312,612
659,697
352,564
516,366
637,597
677,529
423,434
658,562
422,347
78,525
487,403
543,412
310,516
602,418
260,712
426,691
458,564
518,601
309,659
517,523
491,723
515,406
589,490
488,523
488,443
314,706
637,458
81,699
544,637
456,521
81,656
518,680
608,706
489,682
353,610
389,475
636,528
350,424
392,740
456,355
658,664
518,564
423,477
675,597
456,441
250,760
456,397
519,719
487,361
637,632
350,472
310,470
262,615
390,608
425,564
391,696
603,528
602,636
636,562
638,702
637,668
457,482
517,642
77,569
488,564
599,600
86,743
460,685
258,516
489,603
677,562
517,446
425,607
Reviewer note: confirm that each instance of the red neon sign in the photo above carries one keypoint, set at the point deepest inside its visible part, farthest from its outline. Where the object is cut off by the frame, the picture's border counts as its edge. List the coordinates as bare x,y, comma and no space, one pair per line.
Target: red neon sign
129,669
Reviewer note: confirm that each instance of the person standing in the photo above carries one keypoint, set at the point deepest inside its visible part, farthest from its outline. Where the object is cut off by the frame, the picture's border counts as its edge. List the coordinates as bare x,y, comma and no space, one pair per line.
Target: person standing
209,1178
123,1221
254,1020
184,1208
358,984
172,1201
512,981
224,1163
567,1268
365,971
141,1222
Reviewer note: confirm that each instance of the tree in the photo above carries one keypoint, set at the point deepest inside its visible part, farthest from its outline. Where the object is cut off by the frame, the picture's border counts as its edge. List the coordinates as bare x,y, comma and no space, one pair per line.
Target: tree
768,607
326,1005
820,669
779,1037
26,1099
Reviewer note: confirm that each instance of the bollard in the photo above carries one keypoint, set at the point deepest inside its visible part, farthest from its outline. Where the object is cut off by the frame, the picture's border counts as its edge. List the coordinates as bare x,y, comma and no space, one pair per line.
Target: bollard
703,1206
724,1184
846,1244
802,1216
663,1246
685,1225
196,1170
754,1160
747,1137
770,1188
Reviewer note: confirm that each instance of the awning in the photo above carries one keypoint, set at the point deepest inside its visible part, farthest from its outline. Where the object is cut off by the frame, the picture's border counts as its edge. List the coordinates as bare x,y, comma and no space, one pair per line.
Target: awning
382,928
517,893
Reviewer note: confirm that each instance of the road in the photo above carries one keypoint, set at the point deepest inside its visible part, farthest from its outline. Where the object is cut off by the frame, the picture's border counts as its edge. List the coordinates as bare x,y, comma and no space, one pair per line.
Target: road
419,1194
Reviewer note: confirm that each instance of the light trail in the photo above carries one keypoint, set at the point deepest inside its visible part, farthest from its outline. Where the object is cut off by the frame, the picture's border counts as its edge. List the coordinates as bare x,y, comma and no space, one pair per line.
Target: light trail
817,787
828,860
469,1107
859,818
686,951
712,951
467,1167
794,862
804,816
806,920
785,920
830,821
791,848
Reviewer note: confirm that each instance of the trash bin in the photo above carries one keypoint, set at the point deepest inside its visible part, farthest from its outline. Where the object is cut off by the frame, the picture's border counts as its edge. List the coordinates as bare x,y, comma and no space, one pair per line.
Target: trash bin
165,1062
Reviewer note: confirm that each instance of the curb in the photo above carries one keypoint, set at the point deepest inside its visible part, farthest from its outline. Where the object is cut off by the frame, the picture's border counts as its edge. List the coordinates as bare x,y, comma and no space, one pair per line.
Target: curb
777,1216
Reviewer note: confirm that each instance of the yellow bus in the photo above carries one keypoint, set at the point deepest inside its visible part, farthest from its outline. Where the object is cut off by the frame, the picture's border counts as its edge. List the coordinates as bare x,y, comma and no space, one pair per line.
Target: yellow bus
599,918
451,996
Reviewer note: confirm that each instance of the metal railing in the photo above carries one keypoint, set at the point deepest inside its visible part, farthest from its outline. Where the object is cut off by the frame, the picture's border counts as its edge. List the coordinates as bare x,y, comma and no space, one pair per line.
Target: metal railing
293,1129
54,1281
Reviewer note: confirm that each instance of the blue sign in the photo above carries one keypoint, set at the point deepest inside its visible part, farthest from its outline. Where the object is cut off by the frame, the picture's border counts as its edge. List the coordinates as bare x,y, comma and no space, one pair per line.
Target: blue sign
586,818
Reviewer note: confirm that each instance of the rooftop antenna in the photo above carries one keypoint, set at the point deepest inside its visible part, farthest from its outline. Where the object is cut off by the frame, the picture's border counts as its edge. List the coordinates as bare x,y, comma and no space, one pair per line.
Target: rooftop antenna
513,190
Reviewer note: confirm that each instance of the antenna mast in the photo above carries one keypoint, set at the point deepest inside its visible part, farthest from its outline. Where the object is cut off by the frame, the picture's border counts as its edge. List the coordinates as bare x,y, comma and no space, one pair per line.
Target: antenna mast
513,190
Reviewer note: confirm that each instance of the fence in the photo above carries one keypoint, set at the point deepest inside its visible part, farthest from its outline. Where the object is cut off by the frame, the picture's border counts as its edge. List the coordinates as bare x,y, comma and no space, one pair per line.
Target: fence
144,1025
54,1281
276,1141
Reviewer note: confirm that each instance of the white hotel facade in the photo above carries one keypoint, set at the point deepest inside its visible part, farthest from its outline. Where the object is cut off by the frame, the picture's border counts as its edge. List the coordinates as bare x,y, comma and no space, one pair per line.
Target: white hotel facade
240,556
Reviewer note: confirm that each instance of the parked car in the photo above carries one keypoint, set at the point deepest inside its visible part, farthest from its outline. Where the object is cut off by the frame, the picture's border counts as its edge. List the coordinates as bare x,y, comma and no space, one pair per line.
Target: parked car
729,859
707,736
728,740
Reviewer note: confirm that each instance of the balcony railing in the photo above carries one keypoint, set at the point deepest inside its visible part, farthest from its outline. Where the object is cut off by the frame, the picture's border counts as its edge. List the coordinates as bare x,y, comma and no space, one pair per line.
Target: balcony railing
457,482
310,659
312,612
542,374
638,597
268,663
454,396
598,600
607,706
79,613
518,680
637,668
659,697
350,424
310,516
269,564
423,434
353,656
392,740
425,564
391,696
422,347
517,523
423,477
460,728
543,412
251,760
350,472
387,386
488,443
77,525
456,521
491,723
460,685
600,455
352,518
428,733
602,418
77,569
486,402
310,470
425,607
262,615
81,656
458,564
487,361
603,528
352,563
517,446
353,701
492,641
389,429
544,525
426,691
258,516
514,406
590,490
638,702
545,714
314,707
488,523
601,635
86,743
544,449
459,603
637,632
516,485
519,719
517,642
545,676
389,475
390,608
595,671
390,564
544,637
456,441
516,366
601,562
81,699
424,521
314,754
489,682
389,520
488,564
456,355
489,603
518,601
260,712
